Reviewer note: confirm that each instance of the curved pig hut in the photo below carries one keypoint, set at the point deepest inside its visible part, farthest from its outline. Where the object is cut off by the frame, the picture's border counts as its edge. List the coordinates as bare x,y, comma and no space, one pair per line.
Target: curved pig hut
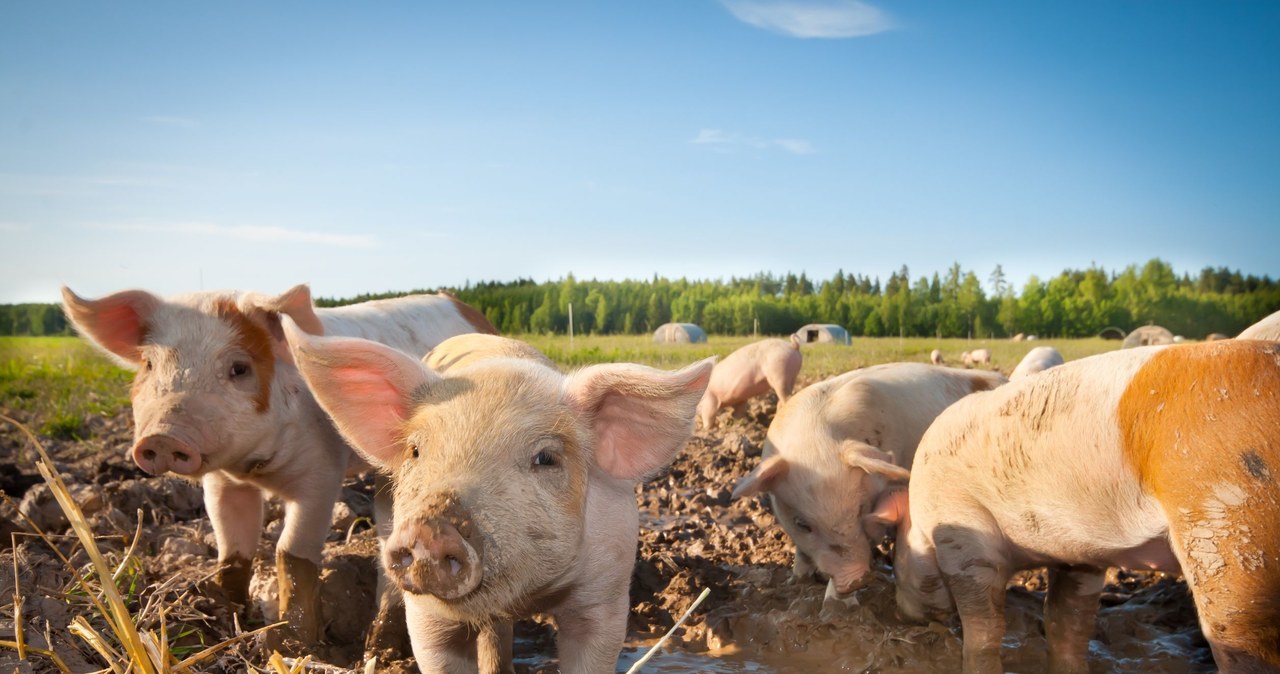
1155,458
835,449
823,333
748,372
1147,335
217,398
679,333
514,487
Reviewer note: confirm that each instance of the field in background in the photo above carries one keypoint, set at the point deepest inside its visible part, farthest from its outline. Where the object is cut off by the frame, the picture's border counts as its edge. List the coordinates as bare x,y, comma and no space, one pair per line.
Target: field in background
820,360
60,384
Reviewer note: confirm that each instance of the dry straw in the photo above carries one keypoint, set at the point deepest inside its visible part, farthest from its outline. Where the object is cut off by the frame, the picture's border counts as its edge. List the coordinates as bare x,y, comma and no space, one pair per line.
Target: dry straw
139,652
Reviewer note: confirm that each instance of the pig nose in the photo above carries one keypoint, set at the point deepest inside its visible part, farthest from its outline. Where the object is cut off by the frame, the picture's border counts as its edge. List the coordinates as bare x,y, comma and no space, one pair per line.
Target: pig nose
432,556
157,454
844,584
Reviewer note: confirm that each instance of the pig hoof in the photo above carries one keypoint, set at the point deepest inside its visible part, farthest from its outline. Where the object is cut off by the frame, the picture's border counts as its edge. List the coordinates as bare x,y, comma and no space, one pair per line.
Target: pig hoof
233,577
299,580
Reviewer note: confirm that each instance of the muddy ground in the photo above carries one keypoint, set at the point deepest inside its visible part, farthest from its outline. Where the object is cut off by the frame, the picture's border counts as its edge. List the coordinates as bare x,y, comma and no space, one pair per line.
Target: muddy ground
758,618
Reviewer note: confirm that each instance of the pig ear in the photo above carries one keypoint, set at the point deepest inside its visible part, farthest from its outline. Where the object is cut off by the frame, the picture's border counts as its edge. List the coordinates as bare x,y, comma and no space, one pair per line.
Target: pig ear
763,478
640,416
294,303
890,510
366,387
116,323
872,460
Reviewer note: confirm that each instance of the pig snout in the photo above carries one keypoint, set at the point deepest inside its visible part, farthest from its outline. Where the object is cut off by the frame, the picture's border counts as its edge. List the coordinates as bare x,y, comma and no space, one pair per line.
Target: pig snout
438,556
158,454
847,581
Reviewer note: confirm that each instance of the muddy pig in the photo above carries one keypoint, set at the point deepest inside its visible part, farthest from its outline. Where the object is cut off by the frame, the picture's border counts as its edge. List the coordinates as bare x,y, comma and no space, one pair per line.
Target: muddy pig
1038,359
749,372
1161,457
833,450
217,398
514,487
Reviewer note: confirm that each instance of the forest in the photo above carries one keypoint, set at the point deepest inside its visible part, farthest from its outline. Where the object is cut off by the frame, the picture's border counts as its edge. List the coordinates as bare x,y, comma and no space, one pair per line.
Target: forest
951,303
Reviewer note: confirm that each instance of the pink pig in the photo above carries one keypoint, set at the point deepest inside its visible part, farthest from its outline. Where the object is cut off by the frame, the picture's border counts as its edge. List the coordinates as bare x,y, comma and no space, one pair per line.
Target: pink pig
748,372
514,486
217,398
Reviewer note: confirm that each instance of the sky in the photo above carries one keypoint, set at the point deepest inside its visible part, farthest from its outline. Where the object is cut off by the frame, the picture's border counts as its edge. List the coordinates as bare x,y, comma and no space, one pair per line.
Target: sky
370,147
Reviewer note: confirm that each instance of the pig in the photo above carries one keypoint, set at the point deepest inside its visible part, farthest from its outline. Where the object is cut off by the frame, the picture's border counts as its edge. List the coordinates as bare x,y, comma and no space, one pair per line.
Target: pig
835,448
976,357
935,357
1159,457
1038,359
514,486
463,350
1267,328
749,372
218,398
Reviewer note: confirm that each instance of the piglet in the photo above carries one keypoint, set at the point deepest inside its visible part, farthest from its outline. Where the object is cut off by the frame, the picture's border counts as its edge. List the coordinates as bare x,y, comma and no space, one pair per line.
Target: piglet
748,372
514,486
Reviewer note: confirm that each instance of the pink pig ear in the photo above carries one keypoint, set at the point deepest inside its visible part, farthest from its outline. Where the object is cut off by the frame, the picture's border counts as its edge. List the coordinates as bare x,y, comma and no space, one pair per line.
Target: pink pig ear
763,478
117,323
641,416
873,460
367,388
891,509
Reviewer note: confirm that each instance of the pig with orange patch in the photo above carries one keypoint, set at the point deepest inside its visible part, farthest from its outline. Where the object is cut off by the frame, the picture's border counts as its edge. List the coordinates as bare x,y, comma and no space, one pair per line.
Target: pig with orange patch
748,372
514,485
217,398
1160,458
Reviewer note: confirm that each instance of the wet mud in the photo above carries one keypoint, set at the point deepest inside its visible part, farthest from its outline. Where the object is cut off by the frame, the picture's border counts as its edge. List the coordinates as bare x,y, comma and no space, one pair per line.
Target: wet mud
758,617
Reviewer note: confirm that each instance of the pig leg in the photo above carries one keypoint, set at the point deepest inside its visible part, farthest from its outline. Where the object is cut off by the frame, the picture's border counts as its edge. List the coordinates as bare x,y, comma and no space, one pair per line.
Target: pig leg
976,572
235,509
446,647
591,637
388,635
1070,614
306,524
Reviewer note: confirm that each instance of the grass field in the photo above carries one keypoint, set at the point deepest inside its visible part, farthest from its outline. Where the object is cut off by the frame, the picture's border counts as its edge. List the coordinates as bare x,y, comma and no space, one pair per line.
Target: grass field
58,383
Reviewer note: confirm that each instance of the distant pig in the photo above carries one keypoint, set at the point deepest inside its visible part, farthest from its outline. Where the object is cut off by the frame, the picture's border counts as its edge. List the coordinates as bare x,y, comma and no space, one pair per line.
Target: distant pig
217,397
1150,458
1038,359
514,486
834,449
935,357
976,357
749,372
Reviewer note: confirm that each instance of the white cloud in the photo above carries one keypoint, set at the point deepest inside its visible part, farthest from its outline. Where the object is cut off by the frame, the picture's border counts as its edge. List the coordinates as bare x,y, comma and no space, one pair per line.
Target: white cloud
175,122
724,141
254,233
812,18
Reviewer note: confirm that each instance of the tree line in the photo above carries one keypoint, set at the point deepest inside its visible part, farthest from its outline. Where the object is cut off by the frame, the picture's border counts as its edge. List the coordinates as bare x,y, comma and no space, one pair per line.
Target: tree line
952,303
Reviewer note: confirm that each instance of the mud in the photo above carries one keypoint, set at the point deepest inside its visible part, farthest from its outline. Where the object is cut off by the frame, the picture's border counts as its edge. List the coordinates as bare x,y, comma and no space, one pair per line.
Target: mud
758,617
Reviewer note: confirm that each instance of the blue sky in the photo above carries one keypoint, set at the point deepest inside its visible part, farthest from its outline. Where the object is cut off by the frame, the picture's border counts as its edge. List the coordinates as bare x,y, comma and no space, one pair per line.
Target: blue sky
368,147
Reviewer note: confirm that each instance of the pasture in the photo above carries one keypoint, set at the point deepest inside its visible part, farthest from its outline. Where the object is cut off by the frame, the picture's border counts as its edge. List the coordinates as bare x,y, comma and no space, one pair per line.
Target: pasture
758,617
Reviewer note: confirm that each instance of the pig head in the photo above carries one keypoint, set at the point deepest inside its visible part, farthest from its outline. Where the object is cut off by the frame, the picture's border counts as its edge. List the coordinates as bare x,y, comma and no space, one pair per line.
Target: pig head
513,484
213,372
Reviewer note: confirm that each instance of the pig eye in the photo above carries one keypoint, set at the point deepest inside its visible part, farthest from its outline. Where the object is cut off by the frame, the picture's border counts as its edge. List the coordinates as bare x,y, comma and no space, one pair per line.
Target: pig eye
146,364
413,449
544,459
803,525
239,369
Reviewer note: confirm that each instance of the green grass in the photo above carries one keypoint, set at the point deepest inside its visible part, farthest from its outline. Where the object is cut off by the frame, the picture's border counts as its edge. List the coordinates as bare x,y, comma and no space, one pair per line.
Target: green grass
820,360
56,383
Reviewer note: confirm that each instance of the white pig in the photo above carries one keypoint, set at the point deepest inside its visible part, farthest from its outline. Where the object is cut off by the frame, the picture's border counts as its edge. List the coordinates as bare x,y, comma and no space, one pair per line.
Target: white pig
748,372
1150,458
976,357
514,487
935,357
218,398
1038,359
835,447
1268,328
